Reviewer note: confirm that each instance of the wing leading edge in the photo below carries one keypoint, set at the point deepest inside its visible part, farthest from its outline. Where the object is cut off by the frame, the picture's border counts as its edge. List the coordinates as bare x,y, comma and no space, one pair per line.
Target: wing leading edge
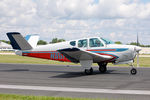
76,54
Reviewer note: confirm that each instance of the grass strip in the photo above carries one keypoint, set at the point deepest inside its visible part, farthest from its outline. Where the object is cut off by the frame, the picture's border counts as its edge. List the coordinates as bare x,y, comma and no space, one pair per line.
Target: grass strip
7,52
28,60
23,97
144,61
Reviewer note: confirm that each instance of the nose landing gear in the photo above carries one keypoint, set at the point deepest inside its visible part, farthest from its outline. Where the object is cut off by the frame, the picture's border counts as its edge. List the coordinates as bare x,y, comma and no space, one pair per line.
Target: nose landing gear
133,71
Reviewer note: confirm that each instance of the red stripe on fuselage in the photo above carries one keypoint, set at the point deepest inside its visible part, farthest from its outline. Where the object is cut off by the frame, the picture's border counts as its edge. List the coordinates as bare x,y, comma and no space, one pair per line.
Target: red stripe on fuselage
47,55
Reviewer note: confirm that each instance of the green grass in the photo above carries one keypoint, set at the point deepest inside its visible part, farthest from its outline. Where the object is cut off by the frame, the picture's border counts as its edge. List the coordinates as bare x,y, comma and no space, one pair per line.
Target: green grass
28,60
6,51
144,61
22,97
145,54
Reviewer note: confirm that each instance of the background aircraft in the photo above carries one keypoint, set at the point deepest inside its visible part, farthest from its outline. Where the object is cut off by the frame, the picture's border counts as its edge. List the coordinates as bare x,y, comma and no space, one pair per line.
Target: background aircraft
84,51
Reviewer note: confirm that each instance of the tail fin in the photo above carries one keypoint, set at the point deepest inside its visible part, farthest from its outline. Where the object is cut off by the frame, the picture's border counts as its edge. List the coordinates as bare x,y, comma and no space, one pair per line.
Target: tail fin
18,42
32,40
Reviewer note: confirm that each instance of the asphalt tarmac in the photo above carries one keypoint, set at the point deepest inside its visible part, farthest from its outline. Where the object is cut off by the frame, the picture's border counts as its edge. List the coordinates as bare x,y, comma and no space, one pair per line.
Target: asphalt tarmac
70,81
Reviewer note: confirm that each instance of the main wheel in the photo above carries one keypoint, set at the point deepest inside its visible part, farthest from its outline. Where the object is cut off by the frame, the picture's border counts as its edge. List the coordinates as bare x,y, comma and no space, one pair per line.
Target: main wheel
88,71
133,71
102,67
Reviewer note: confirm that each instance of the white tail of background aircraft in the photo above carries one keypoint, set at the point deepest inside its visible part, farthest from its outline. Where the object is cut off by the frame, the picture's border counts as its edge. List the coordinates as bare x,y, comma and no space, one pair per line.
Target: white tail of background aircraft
32,40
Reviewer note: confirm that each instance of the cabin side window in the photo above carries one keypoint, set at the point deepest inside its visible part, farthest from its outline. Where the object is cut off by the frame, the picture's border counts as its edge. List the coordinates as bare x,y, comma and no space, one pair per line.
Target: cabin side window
95,42
73,43
82,43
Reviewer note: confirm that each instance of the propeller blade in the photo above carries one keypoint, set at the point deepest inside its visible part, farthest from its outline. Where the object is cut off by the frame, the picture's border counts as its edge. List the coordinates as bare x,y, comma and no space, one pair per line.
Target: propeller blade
138,51
137,40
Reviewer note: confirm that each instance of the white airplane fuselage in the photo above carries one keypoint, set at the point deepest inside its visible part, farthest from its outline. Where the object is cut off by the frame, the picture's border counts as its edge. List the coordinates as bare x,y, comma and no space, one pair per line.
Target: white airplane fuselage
118,53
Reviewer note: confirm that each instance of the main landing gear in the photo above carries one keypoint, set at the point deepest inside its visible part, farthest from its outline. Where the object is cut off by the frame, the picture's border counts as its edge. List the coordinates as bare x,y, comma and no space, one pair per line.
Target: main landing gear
89,71
86,65
102,67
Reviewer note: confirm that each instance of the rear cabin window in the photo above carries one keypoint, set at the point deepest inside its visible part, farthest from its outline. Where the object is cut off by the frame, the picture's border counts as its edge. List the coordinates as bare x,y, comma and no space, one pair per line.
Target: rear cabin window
73,43
82,43
95,42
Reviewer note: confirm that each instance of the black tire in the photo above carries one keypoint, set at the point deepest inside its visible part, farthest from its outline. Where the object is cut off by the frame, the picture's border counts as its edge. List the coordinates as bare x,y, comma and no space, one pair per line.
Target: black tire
102,67
88,71
133,71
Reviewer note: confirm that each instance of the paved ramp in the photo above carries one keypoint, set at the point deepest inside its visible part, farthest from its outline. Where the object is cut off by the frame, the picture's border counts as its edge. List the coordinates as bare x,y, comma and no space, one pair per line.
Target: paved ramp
59,80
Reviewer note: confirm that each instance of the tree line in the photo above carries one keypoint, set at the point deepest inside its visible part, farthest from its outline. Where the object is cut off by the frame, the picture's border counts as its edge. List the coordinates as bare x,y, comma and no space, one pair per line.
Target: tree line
133,43
54,40
42,42
57,40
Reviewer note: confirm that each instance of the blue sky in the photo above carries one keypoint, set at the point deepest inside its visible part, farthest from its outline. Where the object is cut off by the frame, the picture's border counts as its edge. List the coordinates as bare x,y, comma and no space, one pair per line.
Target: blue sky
145,1
117,20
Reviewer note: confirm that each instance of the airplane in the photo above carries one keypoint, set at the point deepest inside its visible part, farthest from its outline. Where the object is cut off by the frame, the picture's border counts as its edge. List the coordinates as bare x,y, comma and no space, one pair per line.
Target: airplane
84,51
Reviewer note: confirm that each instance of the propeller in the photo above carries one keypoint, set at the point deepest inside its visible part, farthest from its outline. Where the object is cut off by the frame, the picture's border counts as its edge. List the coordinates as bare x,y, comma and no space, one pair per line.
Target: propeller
137,44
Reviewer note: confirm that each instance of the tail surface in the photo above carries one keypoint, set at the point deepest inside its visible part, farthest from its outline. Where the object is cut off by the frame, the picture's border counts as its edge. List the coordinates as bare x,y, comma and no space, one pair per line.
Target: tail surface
18,42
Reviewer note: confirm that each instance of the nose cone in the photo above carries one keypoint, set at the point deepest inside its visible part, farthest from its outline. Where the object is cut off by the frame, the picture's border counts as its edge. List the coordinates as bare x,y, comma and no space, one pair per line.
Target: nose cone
137,48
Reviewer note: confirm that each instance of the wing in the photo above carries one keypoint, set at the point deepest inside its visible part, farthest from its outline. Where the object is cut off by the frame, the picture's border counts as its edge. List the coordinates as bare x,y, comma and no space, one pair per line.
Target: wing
76,54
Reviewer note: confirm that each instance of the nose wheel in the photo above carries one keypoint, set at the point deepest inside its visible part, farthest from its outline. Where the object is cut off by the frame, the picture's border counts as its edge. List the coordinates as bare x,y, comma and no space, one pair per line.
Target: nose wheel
133,71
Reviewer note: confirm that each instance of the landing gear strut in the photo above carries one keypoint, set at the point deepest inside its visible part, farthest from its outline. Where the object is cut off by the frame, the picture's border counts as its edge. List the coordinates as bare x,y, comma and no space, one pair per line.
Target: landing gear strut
102,67
89,71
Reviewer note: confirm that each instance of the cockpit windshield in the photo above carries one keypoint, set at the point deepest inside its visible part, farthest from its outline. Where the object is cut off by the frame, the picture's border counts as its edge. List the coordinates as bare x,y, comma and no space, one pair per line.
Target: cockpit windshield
107,41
